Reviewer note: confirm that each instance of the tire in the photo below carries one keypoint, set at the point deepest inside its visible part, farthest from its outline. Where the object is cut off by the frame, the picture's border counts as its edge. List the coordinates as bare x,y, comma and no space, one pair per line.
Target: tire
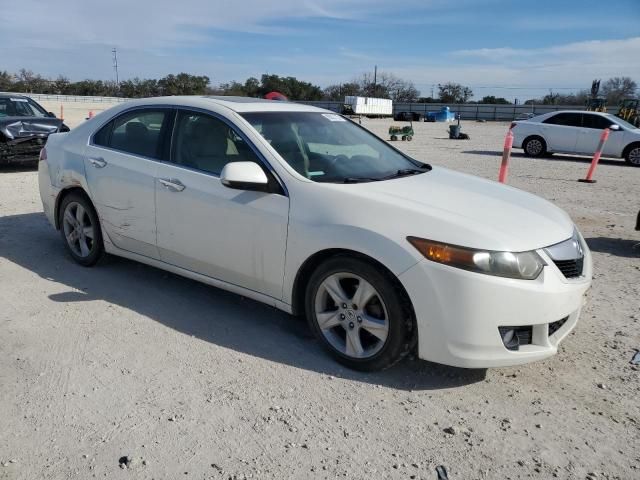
394,138
409,138
632,156
366,337
404,137
534,147
85,245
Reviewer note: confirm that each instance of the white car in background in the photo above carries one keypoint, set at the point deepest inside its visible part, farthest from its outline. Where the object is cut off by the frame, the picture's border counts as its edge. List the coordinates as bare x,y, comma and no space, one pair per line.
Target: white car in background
577,132
302,209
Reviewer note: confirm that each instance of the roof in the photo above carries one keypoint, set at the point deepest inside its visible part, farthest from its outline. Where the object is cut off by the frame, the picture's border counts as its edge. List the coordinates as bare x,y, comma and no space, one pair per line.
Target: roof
237,104
9,94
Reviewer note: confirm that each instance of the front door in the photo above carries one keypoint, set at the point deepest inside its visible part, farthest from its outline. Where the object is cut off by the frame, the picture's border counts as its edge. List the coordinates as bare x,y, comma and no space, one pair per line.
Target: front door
589,136
121,164
231,235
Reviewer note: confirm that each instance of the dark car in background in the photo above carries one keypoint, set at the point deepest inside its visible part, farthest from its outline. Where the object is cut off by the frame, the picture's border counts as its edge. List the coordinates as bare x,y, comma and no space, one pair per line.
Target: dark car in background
24,128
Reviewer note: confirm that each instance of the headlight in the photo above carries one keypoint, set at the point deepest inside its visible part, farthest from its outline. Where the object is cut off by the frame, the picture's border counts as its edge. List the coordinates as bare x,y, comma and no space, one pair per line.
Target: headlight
522,265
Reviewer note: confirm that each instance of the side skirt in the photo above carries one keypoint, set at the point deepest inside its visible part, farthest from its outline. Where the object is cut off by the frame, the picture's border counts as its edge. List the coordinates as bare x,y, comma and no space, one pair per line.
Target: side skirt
214,282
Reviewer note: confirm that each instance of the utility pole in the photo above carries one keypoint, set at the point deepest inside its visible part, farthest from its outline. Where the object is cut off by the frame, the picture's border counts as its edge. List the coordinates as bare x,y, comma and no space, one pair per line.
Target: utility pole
115,65
375,80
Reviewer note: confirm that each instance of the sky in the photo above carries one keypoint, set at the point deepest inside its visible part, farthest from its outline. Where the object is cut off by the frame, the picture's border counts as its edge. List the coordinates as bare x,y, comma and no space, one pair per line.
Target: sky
511,48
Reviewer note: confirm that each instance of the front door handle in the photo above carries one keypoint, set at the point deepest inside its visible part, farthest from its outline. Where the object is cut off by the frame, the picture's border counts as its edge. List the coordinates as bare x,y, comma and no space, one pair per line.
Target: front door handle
172,184
98,162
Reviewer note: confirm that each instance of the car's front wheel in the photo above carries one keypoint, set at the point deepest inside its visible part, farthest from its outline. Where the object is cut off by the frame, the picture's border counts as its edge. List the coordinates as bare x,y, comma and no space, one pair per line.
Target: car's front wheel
80,229
534,147
633,156
358,313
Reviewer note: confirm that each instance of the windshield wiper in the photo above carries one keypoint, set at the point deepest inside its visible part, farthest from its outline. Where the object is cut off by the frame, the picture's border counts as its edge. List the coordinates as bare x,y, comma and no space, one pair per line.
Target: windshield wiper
403,172
360,179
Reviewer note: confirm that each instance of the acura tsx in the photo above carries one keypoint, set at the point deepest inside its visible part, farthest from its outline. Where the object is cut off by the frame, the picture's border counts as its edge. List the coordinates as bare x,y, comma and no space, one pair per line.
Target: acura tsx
302,209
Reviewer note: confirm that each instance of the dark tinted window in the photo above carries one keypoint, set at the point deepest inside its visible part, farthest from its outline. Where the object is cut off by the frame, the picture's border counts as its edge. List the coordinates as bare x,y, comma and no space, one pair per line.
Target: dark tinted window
102,136
595,121
567,119
20,107
138,132
205,143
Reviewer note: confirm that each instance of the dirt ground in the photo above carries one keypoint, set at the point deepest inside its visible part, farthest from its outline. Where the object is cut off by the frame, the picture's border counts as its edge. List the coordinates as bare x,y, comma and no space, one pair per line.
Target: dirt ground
124,360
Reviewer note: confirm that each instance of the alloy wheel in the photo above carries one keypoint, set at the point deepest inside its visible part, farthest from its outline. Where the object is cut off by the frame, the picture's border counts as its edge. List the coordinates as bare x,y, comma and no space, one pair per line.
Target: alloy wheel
534,147
634,156
78,229
351,315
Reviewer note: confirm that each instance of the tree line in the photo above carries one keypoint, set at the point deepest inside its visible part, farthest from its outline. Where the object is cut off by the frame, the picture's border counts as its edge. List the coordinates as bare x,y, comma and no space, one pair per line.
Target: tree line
383,85
614,90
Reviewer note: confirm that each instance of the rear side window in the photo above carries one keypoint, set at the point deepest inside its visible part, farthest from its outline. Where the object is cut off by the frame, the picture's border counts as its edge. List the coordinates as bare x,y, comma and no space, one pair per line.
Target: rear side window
595,121
139,132
566,119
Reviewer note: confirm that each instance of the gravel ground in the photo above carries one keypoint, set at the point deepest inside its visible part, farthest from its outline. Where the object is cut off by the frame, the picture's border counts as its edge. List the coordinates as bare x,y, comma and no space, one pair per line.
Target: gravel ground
125,371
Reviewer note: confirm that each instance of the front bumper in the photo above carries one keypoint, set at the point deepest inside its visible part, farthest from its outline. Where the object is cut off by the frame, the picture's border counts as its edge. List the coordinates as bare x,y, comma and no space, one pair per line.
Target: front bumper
459,312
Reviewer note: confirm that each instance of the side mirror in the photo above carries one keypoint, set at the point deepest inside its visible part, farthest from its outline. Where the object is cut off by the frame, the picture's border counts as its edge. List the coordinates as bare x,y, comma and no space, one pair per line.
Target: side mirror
244,176
615,127
51,114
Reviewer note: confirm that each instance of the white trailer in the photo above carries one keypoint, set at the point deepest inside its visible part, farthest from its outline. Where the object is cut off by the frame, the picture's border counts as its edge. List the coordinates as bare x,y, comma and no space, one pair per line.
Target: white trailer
379,107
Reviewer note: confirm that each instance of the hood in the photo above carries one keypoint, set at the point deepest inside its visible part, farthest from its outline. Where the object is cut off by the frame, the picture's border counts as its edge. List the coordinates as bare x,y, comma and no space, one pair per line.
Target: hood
460,209
19,128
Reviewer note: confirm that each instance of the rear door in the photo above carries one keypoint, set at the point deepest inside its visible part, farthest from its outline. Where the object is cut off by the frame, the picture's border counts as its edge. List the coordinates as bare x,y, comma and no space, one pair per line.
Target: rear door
121,163
560,131
589,136
232,235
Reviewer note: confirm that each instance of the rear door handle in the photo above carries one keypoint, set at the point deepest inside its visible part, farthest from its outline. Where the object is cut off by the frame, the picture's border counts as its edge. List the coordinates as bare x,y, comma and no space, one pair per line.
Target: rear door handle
172,184
98,162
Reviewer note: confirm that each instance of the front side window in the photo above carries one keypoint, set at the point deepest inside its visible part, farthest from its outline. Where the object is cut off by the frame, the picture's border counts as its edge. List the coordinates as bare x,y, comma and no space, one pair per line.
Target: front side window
327,148
206,143
138,132
595,121
566,119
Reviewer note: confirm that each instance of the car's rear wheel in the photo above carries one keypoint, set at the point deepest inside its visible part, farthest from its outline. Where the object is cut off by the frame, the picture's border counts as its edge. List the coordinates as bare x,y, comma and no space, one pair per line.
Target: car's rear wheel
633,156
535,147
358,313
80,229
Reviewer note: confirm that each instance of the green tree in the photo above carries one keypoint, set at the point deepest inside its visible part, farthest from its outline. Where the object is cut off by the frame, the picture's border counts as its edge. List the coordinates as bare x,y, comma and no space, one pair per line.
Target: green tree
451,92
494,100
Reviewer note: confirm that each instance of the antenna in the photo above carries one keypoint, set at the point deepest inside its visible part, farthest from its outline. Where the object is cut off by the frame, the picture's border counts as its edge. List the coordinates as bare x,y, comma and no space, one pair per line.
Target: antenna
115,64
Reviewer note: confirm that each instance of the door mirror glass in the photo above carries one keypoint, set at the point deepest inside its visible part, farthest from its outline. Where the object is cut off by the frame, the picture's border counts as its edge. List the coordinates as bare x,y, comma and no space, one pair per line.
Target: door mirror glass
615,127
244,176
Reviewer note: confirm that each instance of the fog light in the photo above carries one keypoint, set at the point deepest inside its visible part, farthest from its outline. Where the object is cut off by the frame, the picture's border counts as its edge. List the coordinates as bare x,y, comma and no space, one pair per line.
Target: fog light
509,338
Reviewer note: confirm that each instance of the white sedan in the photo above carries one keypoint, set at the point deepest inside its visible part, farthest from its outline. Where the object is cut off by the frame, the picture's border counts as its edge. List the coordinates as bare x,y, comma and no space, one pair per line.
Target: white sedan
576,131
302,209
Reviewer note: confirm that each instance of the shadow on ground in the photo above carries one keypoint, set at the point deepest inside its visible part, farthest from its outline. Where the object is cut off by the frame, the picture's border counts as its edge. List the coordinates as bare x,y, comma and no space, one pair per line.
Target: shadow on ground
190,307
620,247
18,167
554,157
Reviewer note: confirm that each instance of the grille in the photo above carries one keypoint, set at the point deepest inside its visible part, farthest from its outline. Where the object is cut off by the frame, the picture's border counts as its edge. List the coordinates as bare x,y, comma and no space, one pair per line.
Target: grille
570,268
555,326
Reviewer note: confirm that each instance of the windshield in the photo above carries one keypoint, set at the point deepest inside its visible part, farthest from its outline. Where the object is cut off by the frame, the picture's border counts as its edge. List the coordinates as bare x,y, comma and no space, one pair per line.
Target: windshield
622,123
325,147
20,107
